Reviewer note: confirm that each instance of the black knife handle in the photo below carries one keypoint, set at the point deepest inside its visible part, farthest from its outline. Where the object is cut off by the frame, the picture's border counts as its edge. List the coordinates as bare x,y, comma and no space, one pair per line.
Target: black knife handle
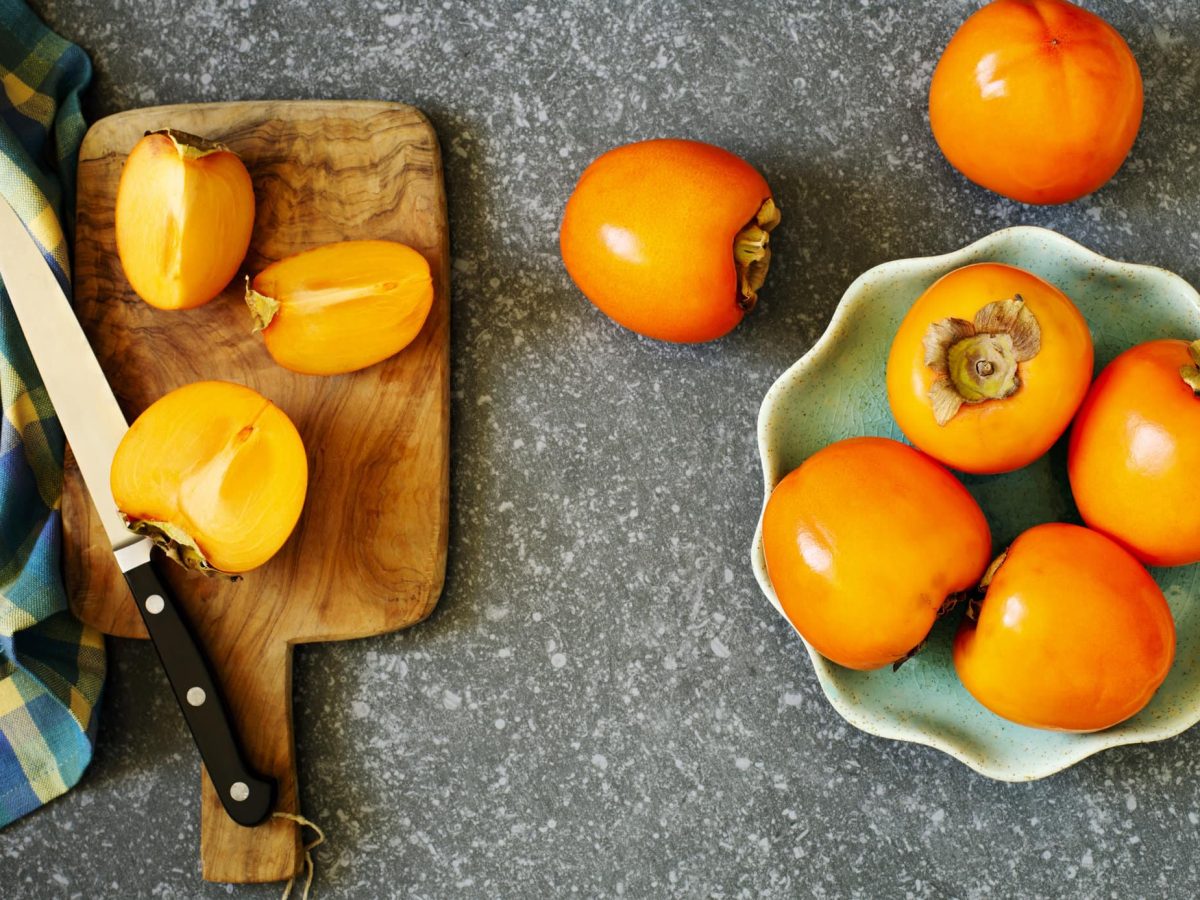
247,797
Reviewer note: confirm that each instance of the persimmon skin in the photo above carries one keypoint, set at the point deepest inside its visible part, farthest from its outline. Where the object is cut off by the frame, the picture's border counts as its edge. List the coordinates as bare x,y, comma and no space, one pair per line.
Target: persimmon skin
648,236
183,220
343,307
863,543
996,435
1072,635
219,463
1038,100
1134,457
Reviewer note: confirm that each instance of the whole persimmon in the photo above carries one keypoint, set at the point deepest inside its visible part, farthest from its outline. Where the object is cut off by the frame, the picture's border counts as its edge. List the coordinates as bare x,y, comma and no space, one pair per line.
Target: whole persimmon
864,542
670,238
1071,634
1038,100
988,367
184,215
1134,457
214,473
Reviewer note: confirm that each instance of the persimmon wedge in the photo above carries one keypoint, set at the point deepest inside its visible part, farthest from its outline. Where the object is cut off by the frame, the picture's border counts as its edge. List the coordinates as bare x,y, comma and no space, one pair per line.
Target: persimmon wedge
341,307
185,211
215,473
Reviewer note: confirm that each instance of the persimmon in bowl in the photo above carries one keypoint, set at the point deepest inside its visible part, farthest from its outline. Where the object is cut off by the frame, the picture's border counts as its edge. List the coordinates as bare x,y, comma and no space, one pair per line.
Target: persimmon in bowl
838,390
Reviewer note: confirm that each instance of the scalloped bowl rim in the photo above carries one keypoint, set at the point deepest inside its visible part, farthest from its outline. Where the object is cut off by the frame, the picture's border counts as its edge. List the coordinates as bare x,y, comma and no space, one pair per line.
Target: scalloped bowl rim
1093,742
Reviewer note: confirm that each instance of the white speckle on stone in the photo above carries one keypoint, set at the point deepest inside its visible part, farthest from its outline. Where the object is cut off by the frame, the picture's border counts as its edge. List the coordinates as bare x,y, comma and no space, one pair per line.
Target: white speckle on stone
451,700
742,762
599,761
359,710
938,817
719,649
1130,802
793,699
1086,861
499,723
558,660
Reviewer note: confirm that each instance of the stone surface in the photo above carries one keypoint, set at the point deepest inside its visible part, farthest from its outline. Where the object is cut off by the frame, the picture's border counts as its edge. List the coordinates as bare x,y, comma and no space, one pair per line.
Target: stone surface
604,705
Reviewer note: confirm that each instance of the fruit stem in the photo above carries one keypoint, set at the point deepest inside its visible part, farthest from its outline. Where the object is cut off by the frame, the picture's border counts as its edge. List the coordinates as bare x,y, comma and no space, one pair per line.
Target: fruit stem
191,146
1191,373
752,253
177,544
262,307
980,360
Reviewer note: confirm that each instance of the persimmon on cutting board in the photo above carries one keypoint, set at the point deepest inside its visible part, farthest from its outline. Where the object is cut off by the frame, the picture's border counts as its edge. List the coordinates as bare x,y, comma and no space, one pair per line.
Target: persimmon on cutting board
185,210
368,553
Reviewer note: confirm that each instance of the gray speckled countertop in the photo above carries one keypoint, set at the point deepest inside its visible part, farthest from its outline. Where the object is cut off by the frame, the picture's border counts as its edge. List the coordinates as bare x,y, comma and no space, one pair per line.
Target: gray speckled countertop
604,704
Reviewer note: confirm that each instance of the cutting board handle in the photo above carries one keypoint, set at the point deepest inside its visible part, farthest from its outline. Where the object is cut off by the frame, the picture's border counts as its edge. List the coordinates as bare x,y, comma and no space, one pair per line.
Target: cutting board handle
261,706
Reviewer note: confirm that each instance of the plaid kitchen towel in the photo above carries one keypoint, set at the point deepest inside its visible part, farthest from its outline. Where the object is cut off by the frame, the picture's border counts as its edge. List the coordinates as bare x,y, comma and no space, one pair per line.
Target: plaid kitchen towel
51,666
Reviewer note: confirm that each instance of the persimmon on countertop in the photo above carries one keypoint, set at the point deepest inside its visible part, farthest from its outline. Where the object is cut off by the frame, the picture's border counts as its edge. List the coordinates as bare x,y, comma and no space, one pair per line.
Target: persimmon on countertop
988,367
1038,100
670,238
864,542
185,211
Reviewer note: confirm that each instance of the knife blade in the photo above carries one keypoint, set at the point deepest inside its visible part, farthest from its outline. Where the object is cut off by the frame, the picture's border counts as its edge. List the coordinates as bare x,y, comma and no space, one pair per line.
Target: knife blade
94,424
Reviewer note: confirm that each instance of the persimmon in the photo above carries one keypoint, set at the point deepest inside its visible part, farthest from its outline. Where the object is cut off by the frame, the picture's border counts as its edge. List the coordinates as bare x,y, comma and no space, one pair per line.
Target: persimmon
670,238
185,211
864,542
1038,100
1134,457
215,473
341,307
988,367
1071,633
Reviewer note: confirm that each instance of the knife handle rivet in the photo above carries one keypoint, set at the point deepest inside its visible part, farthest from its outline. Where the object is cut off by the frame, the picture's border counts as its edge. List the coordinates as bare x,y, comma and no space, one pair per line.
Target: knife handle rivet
239,791
155,604
196,696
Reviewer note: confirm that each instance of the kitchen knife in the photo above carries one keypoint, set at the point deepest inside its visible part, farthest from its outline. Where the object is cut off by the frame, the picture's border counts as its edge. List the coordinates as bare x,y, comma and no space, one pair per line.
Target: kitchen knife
94,425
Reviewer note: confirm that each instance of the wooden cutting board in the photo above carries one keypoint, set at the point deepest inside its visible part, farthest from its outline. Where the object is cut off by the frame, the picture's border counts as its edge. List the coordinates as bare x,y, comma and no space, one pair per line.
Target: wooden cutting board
368,555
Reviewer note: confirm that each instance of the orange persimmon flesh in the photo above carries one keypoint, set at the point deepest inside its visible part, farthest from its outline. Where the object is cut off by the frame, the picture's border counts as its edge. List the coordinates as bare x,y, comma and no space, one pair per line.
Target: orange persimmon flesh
215,473
185,211
341,307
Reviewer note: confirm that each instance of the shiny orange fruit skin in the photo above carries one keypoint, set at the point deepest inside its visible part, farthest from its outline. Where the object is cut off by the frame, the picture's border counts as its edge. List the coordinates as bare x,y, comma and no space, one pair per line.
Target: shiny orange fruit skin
995,435
1038,100
1134,457
648,236
1072,635
864,541
184,217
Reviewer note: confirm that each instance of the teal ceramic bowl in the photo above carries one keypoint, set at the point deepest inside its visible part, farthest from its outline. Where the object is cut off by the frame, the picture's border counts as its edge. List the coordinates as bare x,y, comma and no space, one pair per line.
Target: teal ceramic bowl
837,391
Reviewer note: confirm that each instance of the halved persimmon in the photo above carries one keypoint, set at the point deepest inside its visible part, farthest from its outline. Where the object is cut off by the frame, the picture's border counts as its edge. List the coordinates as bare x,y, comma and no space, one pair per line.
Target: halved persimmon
215,473
341,307
988,367
185,211
864,542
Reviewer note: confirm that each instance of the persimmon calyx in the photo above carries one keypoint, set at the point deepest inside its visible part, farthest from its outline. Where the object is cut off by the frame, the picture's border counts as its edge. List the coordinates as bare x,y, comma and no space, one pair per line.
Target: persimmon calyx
176,544
262,307
752,253
191,146
980,360
1191,373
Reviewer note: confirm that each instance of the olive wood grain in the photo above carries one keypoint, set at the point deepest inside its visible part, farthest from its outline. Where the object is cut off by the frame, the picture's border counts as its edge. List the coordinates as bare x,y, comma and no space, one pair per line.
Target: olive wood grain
368,555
